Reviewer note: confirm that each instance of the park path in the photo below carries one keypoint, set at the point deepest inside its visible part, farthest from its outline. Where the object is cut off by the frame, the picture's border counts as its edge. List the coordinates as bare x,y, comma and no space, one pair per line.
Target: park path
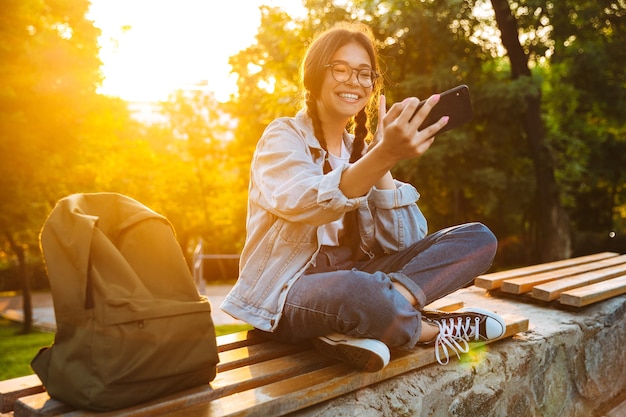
43,309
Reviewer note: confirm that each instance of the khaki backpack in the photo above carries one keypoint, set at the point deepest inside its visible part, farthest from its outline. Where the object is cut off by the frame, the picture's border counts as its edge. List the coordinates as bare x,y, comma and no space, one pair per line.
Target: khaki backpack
131,325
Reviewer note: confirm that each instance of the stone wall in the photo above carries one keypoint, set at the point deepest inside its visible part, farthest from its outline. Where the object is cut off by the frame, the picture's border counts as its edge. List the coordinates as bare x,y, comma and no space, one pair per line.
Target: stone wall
571,362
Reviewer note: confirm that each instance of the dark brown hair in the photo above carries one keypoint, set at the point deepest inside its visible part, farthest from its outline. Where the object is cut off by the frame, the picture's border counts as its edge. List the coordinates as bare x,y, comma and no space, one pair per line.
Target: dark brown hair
313,72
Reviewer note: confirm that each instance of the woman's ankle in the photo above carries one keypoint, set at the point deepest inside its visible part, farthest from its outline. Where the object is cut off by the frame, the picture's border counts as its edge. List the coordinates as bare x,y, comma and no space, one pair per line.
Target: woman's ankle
405,293
429,332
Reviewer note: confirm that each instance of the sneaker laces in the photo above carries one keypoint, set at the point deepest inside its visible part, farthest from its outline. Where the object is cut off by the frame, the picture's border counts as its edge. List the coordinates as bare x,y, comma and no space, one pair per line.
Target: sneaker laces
454,334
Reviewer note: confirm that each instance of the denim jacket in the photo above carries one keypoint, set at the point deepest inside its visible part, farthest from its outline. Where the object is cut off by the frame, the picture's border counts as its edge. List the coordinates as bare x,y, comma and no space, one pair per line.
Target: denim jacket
289,199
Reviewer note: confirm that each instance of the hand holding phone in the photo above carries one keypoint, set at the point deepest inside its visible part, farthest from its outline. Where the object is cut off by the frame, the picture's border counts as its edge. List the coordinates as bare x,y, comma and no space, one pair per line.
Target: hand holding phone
454,103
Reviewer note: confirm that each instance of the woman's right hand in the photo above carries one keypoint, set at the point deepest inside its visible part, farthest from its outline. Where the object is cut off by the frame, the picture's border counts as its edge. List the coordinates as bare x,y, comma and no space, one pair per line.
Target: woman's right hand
396,139
400,137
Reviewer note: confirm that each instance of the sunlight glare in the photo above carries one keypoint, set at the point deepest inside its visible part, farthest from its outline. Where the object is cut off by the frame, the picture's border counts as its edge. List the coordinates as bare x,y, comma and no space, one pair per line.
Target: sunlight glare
150,48
476,355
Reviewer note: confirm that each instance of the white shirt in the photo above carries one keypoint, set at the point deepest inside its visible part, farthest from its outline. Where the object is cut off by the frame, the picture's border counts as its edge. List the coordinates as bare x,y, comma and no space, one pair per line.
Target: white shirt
331,232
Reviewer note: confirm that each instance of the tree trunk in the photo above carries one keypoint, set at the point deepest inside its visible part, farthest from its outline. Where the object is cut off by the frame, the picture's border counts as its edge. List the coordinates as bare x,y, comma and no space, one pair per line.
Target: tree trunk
25,281
552,240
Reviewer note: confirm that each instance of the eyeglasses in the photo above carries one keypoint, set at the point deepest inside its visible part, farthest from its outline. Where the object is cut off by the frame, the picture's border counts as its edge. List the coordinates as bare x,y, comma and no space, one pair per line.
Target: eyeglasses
343,72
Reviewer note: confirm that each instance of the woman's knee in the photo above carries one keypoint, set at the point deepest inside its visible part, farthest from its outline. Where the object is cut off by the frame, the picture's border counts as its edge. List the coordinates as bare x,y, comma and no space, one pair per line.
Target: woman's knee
482,239
481,234
484,246
488,237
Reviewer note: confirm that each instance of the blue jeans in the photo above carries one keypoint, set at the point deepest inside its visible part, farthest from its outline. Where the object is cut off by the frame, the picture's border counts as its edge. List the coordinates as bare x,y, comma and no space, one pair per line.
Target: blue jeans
359,298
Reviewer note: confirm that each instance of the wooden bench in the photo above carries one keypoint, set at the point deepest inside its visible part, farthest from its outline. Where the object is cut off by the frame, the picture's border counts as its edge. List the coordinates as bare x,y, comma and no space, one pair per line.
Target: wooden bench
255,377
575,282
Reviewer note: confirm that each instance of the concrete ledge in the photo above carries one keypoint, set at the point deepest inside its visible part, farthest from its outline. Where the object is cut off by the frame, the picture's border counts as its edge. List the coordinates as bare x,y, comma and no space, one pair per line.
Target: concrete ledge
569,363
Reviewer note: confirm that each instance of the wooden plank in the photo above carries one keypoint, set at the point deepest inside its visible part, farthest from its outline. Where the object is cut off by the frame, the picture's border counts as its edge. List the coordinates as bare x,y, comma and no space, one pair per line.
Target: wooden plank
264,373
590,294
243,356
39,405
525,284
551,291
296,393
445,304
494,280
239,339
12,389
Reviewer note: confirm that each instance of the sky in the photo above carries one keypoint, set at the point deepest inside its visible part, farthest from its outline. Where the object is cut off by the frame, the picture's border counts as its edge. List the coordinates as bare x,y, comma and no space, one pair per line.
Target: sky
149,48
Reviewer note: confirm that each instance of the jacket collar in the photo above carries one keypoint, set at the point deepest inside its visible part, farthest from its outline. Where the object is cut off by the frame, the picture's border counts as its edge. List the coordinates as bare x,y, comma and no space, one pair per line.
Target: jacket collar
305,124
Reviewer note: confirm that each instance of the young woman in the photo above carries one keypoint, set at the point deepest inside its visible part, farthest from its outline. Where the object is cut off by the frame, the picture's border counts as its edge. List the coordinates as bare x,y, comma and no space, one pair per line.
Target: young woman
337,250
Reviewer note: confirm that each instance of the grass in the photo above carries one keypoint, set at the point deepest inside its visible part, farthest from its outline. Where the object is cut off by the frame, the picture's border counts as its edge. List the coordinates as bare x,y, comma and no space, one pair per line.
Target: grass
17,350
231,328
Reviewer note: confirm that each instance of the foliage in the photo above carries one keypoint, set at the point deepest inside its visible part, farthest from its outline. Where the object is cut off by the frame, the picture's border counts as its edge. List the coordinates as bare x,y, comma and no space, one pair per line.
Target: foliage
588,118
268,74
49,71
577,47
211,203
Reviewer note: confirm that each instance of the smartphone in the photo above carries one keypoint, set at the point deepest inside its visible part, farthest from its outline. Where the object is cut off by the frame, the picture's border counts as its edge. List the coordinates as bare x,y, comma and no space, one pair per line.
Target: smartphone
454,103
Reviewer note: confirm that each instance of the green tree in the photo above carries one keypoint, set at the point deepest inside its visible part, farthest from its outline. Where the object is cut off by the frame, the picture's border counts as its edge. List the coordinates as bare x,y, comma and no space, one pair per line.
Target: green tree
551,231
55,130
210,192
49,70
586,100
576,48
267,84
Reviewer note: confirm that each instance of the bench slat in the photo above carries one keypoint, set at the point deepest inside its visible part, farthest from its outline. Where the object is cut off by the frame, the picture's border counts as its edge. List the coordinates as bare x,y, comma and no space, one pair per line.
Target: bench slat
590,294
525,284
551,291
243,356
39,405
239,339
12,389
494,280
268,372
445,304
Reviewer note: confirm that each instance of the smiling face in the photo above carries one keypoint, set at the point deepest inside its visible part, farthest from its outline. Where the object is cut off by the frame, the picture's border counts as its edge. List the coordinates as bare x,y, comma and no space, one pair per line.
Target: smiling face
342,100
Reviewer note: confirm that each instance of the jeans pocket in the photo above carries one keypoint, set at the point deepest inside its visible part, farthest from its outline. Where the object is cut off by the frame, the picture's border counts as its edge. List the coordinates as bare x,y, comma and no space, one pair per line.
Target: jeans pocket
331,258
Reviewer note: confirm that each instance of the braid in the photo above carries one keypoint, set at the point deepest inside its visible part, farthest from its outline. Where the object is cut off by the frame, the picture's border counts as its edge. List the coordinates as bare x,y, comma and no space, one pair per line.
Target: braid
360,134
311,107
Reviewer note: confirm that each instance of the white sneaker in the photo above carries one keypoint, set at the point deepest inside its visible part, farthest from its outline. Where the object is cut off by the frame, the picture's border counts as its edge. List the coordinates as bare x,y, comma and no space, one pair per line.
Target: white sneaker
369,355
458,328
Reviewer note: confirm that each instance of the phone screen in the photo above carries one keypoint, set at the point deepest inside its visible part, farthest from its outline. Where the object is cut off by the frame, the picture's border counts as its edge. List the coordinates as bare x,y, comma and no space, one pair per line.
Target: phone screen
454,103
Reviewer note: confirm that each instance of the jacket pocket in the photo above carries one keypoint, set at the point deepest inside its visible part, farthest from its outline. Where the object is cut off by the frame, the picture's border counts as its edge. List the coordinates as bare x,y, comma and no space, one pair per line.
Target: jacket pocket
294,233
